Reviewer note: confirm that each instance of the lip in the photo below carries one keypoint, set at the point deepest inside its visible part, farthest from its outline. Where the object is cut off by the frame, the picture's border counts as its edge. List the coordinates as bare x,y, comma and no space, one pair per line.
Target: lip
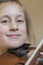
13,35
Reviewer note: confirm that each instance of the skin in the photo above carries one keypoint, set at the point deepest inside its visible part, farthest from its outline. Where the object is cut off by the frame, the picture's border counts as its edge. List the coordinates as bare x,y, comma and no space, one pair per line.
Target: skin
13,31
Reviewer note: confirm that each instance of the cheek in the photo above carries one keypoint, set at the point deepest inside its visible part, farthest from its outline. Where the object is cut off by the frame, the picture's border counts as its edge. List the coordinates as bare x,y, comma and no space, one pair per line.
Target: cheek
3,29
23,29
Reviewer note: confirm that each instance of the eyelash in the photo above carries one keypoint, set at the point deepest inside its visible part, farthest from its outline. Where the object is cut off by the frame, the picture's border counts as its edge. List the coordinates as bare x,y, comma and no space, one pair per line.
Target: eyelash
4,21
20,21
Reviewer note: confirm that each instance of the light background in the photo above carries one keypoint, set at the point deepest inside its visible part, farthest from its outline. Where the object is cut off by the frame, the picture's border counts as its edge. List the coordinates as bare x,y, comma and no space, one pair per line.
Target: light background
35,10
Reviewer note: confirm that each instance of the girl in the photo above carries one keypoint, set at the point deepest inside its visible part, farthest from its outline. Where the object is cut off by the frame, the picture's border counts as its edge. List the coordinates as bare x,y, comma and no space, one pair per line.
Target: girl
14,29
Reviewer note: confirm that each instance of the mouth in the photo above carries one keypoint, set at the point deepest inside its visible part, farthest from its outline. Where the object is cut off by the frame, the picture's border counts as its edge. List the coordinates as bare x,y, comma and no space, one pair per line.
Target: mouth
13,35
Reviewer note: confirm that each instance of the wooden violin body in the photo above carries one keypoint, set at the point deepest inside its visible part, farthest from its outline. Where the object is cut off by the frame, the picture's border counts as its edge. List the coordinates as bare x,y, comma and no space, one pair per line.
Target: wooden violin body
12,59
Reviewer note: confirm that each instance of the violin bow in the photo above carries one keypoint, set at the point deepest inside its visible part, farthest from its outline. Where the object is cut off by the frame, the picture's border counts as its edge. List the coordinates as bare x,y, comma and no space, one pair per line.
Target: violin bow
35,54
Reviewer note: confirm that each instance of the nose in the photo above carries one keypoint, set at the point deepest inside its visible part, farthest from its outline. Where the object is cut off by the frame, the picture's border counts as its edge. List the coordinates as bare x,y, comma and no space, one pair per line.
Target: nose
13,26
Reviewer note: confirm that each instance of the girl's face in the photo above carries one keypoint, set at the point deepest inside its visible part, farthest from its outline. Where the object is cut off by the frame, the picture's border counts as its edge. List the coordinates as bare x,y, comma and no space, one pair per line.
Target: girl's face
13,31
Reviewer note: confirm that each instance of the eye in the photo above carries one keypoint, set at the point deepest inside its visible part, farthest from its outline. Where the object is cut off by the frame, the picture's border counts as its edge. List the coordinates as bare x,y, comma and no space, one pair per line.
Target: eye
5,22
20,21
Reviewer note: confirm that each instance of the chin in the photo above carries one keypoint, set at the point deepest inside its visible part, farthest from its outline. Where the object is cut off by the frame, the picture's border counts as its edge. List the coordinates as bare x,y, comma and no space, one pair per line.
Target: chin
12,45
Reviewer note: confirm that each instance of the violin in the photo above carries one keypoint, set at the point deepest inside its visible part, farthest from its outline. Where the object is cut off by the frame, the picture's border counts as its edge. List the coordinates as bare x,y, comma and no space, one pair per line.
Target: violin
10,58
37,56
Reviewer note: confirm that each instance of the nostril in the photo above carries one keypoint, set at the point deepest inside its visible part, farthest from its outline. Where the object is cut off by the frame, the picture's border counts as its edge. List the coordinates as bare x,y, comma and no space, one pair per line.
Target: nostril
13,29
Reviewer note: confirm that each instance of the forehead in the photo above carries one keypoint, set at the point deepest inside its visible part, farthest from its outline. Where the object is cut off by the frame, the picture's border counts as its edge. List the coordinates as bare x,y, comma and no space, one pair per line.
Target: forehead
10,8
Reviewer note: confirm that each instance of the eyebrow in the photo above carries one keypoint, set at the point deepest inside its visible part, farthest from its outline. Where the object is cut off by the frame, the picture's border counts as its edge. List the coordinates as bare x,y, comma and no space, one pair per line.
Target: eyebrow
5,16
20,15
